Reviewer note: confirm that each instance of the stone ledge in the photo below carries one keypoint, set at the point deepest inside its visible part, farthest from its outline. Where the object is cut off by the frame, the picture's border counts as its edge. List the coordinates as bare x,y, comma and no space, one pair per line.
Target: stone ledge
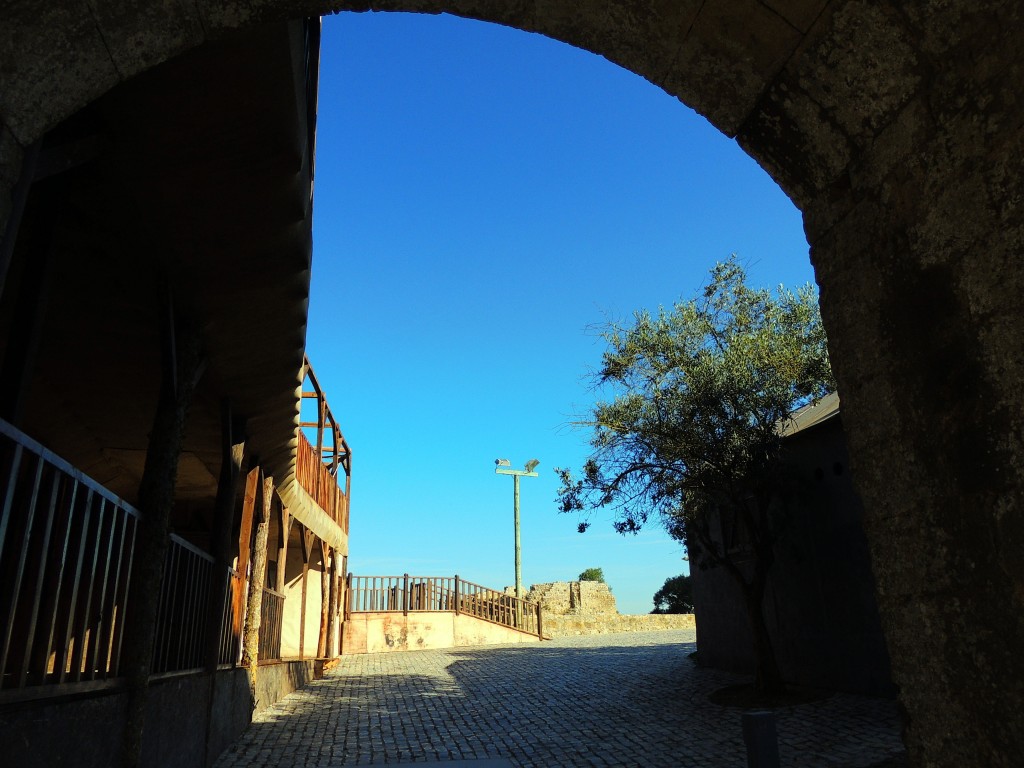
568,626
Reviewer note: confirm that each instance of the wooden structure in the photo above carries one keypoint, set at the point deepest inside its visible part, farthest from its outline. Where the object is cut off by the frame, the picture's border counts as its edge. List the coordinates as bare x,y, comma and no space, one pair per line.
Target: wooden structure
410,594
402,613
163,498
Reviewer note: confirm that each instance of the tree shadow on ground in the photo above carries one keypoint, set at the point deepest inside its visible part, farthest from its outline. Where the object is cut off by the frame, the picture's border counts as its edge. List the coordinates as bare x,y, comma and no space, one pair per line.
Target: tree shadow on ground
595,702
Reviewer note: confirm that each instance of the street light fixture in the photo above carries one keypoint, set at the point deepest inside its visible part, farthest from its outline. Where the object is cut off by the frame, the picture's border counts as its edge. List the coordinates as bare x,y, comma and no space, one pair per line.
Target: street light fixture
504,467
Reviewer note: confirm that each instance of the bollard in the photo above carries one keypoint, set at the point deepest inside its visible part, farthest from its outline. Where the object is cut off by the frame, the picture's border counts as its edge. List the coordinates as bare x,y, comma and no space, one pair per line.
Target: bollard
761,739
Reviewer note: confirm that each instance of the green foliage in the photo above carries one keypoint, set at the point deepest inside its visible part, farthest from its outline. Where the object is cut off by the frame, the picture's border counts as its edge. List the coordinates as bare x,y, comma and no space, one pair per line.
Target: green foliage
675,596
697,396
592,574
691,431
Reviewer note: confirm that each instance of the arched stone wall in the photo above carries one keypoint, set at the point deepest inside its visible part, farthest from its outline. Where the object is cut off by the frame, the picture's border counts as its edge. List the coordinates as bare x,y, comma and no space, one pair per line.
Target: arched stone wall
897,129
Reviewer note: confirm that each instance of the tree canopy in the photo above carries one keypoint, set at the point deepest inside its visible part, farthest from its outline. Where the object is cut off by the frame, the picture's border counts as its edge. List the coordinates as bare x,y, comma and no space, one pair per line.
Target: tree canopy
698,394
691,428
675,596
592,574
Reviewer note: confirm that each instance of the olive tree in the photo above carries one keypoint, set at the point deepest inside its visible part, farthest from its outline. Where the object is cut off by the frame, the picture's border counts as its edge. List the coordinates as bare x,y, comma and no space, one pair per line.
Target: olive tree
688,428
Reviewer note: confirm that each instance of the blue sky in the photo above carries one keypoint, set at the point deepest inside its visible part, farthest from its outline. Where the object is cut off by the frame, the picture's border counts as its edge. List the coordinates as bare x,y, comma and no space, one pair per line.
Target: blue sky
484,197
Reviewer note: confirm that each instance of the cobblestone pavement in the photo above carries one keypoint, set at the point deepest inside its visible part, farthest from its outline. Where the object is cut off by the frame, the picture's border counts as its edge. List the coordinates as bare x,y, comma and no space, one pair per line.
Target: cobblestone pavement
607,700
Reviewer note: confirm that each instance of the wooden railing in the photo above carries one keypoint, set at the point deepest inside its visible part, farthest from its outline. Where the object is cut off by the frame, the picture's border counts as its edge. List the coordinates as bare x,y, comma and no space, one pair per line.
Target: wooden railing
407,594
271,616
323,459
316,479
66,547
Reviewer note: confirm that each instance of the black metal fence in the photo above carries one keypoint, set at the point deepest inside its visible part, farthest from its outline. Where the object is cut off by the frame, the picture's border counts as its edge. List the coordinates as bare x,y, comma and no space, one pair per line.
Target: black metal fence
66,548
272,613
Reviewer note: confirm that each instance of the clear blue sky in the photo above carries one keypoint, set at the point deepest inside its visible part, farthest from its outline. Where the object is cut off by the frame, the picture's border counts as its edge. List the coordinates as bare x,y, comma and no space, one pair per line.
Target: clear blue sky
483,197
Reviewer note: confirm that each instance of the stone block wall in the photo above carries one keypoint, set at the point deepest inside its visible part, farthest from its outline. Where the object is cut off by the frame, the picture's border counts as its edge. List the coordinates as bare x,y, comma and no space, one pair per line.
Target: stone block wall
588,608
561,598
569,625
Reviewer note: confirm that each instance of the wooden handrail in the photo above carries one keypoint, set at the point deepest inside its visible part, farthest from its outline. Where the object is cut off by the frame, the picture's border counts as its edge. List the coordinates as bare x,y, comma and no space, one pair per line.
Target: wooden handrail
409,594
322,457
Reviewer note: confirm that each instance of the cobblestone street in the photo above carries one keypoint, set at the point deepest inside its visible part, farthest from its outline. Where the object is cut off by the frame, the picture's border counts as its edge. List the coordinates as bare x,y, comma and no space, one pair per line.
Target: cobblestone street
601,700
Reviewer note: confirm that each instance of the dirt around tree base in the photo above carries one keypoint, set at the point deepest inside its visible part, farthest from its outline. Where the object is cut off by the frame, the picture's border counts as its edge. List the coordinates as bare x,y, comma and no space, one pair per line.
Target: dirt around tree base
745,696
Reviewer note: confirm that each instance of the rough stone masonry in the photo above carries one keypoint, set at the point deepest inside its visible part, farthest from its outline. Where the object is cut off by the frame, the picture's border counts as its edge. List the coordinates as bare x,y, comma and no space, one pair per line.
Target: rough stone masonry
571,608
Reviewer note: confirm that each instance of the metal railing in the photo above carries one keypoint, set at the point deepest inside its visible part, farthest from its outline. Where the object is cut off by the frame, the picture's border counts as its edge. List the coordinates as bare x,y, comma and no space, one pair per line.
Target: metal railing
272,613
409,594
181,630
229,648
66,556
66,548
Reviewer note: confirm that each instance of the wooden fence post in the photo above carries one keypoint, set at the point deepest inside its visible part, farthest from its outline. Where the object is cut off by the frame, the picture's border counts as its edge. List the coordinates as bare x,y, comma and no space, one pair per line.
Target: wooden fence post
405,595
457,601
325,600
348,596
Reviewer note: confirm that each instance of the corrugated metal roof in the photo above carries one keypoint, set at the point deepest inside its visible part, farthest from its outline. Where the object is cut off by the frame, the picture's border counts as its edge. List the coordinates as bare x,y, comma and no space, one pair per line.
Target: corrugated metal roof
810,415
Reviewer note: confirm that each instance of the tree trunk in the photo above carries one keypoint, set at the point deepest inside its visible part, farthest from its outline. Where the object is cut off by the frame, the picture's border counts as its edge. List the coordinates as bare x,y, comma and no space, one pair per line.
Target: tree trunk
182,367
257,578
767,678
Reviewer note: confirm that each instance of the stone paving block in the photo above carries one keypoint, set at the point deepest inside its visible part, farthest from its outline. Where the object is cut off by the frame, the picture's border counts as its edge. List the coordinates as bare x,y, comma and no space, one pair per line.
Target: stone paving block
610,700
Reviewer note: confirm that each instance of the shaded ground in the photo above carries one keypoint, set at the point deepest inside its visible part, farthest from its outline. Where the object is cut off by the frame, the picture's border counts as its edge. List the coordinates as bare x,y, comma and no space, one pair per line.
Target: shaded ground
612,700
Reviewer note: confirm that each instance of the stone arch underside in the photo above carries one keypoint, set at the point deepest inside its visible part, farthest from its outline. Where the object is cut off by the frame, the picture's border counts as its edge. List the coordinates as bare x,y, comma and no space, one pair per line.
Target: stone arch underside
897,130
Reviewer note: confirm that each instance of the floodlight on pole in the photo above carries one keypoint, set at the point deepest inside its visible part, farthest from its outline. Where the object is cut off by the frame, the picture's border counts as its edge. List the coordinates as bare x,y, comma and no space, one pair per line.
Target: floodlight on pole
504,467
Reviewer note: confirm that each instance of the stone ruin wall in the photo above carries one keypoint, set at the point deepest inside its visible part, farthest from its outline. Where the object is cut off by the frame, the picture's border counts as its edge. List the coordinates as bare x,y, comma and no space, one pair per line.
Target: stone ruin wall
588,608
562,598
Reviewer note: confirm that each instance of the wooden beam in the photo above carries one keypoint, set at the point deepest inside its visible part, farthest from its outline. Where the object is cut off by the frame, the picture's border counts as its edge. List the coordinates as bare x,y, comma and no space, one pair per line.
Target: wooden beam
332,605
307,550
284,528
232,452
252,481
180,374
325,599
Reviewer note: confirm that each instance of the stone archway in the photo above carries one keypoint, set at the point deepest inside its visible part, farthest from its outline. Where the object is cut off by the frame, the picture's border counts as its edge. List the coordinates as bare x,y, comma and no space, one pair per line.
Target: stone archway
897,130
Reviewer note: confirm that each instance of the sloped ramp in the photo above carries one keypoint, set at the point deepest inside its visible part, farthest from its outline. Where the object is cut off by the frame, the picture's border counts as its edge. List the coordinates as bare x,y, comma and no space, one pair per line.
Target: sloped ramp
406,613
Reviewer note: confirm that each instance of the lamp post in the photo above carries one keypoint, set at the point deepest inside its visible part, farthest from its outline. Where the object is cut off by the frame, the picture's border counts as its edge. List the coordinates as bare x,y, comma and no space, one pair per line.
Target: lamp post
503,467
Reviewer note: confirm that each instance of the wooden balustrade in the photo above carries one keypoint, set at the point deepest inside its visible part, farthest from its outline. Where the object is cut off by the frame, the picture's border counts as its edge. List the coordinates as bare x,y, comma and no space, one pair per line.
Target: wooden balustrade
323,460
408,594
316,479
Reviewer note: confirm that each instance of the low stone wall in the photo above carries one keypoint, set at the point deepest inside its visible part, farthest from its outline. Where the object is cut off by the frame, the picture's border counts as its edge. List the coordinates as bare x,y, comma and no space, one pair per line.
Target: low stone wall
182,729
569,625
388,631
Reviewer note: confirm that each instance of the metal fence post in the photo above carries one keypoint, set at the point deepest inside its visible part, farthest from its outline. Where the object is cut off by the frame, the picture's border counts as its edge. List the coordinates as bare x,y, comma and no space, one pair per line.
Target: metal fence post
761,739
